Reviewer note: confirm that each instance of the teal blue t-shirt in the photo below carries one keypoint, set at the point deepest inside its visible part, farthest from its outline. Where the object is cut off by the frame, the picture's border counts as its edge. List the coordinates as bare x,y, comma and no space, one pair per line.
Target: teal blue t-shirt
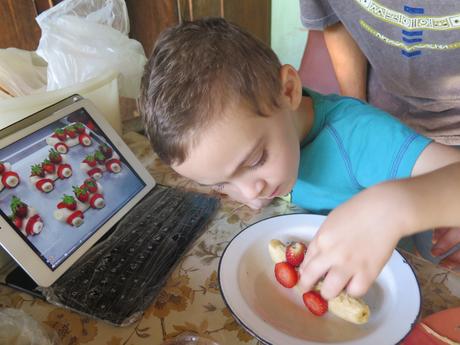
351,146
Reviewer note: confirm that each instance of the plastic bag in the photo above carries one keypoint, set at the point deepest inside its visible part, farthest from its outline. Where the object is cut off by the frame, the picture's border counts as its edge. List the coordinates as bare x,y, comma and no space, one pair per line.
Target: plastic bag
82,39
18,328
21,73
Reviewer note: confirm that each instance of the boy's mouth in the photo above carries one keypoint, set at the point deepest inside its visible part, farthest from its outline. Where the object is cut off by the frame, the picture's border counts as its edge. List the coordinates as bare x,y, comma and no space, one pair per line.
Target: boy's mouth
274,193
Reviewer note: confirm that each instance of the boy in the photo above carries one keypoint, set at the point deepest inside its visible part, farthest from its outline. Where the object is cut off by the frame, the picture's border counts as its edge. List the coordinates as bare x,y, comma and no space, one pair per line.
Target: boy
221,110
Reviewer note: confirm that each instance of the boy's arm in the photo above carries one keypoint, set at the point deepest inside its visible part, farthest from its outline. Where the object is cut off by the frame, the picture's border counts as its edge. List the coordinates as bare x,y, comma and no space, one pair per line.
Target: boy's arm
358,237
350,64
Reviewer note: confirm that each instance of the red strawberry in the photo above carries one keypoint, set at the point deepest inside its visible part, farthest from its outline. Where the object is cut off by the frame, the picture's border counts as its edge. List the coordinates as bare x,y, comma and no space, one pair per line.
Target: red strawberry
61,147
17,221
295,253
79,127
45,185
18,207
60,134
34,225
286,274
99,156
97,201
55,157
10,179
90,160
106,150
48,167
95,173
2,168
64,171
37,170
71,132
68,202
113,165
84,139
315,302
91,185
75,219
82,194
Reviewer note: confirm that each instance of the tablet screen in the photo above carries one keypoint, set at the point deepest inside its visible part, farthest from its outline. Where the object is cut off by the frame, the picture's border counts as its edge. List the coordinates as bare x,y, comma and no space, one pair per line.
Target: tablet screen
61,183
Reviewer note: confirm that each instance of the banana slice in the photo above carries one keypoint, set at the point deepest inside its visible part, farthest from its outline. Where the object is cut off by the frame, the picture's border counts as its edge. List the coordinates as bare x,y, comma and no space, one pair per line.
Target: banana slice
344,306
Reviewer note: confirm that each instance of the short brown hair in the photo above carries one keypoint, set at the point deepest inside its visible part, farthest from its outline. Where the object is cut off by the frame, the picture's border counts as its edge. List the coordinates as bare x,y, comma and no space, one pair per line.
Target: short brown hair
195,70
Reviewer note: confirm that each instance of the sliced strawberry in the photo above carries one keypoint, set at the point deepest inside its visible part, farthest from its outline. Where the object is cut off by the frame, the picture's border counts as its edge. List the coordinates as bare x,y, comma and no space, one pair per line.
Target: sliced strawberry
75,219
295,253
10,179
64,171
61,148
45,185
97,201
113,165
95,173
286,274
315,302
84,139
34,225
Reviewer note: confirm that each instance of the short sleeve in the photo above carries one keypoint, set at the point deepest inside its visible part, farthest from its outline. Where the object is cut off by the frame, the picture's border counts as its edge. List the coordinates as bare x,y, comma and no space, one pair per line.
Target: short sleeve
317,14
378,146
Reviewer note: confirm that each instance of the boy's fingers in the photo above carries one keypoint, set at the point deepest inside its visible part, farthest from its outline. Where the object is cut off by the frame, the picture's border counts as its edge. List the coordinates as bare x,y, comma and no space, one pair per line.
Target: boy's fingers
359,285
334,283
311,272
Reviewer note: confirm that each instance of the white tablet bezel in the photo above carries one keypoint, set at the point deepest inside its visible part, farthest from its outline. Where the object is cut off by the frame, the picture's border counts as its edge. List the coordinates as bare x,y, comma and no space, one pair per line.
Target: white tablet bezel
14,244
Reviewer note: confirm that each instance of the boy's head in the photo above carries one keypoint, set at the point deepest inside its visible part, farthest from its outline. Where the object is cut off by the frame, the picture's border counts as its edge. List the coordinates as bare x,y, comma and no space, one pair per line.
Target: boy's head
209,76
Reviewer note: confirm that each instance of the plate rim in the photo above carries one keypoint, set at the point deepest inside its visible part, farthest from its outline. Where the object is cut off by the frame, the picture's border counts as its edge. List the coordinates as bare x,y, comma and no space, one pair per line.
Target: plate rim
259,337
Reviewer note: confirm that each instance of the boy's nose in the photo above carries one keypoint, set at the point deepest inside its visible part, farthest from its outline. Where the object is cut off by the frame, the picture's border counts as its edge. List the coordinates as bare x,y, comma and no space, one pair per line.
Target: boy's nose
252,189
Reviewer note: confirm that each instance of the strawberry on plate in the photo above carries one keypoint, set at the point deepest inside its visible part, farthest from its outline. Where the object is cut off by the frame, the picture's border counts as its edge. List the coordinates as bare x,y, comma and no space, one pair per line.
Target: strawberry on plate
48,167
60,134
82,194
18,207
55,157
315,303
286,274
295,252
84,139
68,202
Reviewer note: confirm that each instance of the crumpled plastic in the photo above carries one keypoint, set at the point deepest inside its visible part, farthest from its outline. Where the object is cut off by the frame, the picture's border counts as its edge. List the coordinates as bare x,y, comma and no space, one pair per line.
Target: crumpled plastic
82,39
19,328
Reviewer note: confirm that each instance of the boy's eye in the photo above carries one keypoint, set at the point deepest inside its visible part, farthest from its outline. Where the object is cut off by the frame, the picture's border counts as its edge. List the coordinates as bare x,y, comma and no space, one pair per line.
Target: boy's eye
218,187
260,161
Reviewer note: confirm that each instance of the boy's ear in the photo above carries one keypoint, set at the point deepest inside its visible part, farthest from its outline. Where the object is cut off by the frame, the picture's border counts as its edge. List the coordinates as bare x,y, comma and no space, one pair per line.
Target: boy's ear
291,87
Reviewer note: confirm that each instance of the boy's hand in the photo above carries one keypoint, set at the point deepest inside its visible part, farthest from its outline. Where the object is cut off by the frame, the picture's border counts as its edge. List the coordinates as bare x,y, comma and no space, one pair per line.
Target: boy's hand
443,240
353,244
236,195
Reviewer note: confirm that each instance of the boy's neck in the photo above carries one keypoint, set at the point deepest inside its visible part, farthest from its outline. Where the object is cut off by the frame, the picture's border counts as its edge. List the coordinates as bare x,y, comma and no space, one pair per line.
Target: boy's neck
304,117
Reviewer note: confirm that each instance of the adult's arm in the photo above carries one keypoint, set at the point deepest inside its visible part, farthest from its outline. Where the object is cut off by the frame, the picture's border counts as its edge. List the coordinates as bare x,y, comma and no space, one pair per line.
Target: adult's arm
350,64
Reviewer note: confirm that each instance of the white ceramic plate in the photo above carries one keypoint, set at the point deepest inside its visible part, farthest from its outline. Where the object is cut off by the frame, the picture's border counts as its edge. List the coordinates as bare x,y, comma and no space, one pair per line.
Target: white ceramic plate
277,315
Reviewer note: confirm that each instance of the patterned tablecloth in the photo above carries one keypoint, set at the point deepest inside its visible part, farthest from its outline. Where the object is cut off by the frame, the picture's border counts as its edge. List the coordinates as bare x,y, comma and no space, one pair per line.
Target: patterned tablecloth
190,301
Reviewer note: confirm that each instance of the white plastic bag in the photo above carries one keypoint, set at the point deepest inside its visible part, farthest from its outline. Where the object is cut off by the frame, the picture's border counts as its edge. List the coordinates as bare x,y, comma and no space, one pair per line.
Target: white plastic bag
21,73
82,39
18,328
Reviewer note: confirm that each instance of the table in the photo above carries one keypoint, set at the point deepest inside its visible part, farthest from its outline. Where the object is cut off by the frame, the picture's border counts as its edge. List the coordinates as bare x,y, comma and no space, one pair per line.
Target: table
191,301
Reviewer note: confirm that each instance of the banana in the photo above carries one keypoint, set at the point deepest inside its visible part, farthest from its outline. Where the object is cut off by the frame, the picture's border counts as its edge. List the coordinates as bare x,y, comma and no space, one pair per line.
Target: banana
344,306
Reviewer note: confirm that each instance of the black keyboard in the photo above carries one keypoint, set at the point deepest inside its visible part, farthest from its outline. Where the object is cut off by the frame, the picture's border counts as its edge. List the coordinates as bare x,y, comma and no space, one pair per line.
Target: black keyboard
121,275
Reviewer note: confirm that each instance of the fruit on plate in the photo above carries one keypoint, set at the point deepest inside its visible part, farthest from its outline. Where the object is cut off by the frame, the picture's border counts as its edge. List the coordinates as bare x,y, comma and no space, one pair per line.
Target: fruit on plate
344,306
315,302
25,218
286,274
295,252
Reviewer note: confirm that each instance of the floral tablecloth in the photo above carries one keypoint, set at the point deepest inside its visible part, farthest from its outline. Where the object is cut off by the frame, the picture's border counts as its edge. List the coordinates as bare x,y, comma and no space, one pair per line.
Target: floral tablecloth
190,301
